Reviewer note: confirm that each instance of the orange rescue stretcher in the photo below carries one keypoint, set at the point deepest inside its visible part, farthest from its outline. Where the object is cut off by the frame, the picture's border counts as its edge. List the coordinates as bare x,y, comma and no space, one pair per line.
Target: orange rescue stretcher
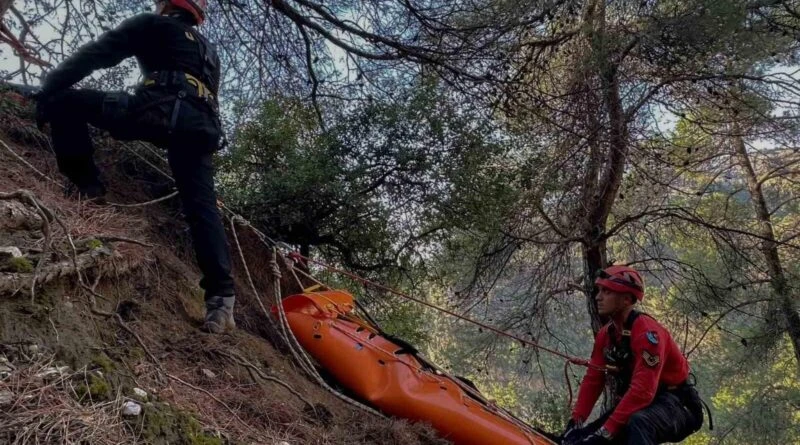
391,377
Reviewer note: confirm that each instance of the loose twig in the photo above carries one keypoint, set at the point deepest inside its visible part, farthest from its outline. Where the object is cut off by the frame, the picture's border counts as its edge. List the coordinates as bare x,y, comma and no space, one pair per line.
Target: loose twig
241,361
21,159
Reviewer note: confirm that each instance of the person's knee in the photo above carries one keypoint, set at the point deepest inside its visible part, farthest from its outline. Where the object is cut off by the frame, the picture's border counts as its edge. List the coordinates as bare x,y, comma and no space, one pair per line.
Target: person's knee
57,105
638,422
74,104
64,100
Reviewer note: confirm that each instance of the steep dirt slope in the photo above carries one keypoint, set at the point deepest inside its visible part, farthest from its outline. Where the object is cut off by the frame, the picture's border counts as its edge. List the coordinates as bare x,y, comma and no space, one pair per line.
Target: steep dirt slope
73,351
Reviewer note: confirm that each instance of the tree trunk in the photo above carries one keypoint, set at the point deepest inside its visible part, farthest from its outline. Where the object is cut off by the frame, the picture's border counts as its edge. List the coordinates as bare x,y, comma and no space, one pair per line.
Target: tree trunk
594,251
786,302
603,188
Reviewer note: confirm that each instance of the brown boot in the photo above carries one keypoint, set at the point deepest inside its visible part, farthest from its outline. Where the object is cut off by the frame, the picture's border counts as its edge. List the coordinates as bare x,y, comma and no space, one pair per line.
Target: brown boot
219,315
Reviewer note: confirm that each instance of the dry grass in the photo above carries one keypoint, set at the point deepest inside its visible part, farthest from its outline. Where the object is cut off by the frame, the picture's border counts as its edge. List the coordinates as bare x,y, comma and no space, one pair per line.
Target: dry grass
82,219
47,411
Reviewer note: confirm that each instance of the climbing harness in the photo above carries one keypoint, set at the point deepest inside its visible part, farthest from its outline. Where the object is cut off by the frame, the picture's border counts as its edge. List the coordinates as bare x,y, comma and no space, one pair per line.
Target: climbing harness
619,355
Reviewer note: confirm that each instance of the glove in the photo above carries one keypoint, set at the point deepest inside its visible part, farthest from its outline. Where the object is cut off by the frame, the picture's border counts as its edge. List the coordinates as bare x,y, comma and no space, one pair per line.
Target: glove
601,437
42,110
570,434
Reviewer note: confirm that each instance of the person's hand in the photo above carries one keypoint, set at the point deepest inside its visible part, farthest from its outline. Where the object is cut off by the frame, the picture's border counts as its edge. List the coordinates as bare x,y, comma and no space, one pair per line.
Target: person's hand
570,434
42,110
600,437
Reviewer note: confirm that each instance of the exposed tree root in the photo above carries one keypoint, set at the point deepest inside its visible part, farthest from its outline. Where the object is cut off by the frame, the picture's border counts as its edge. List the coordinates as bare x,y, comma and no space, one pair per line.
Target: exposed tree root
255,371
93,259
15,216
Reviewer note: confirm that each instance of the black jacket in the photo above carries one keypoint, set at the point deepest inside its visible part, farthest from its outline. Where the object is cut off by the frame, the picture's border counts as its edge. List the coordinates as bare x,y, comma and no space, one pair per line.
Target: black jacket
160,44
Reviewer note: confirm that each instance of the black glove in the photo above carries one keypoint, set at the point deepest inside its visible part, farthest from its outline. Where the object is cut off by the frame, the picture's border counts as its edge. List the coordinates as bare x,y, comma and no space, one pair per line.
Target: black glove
570,434
42,110
595,439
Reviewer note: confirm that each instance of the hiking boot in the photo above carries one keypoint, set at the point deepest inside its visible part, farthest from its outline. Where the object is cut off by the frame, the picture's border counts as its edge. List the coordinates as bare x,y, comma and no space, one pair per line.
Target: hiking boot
219,315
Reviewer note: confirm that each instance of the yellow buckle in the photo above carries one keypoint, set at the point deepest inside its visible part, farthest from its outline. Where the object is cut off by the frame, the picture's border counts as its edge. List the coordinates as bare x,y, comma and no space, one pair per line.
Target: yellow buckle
202,90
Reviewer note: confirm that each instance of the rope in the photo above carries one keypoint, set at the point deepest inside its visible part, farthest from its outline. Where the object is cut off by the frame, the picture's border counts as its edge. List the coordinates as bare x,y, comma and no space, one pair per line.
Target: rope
303,358
143,204
297,279
247,272
575,360
146,161
291,341
310,277
569,384
297,351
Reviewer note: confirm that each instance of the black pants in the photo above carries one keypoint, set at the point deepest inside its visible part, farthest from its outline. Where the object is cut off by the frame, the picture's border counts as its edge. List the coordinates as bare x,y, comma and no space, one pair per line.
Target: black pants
192,168
672,417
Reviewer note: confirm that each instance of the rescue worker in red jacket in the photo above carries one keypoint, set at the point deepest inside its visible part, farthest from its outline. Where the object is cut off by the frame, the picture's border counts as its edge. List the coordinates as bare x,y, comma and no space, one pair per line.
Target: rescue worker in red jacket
654,401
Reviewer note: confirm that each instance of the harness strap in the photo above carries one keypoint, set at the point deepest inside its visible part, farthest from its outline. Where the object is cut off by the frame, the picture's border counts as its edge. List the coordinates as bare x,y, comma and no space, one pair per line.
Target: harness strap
185,81
625,341
208,55
710,417
619,354
692,381
176,111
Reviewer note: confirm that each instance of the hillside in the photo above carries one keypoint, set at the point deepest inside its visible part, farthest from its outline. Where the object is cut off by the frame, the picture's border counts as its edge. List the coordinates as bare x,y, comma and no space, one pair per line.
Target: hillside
116,306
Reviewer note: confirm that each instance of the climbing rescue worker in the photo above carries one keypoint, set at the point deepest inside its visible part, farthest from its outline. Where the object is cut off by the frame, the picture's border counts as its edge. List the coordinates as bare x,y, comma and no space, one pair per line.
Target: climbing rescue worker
654,401
175,107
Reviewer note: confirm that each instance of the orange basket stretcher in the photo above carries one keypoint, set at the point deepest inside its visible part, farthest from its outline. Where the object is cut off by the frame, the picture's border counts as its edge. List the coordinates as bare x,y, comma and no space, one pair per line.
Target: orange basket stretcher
390,377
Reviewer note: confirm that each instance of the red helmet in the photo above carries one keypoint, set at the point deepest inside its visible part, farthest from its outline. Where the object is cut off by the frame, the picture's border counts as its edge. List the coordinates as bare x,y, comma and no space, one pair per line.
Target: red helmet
621,279
195,7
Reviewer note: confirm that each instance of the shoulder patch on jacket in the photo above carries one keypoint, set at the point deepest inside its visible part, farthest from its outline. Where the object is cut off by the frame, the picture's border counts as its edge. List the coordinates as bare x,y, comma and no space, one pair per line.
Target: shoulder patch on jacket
651,360
652,337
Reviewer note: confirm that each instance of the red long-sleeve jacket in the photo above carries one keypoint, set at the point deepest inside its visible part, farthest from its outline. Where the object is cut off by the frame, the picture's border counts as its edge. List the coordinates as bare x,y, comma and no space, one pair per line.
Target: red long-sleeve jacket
657,360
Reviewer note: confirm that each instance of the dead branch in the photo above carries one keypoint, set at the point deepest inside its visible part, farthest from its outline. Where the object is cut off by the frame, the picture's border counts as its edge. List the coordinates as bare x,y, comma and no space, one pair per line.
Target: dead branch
28,197
79,262
14,215
112,239
14,282
21,159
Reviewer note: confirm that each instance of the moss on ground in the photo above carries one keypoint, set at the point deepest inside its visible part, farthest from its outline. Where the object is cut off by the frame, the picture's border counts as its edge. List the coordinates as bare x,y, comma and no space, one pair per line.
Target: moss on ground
97,389
163,424
20,265
101,361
